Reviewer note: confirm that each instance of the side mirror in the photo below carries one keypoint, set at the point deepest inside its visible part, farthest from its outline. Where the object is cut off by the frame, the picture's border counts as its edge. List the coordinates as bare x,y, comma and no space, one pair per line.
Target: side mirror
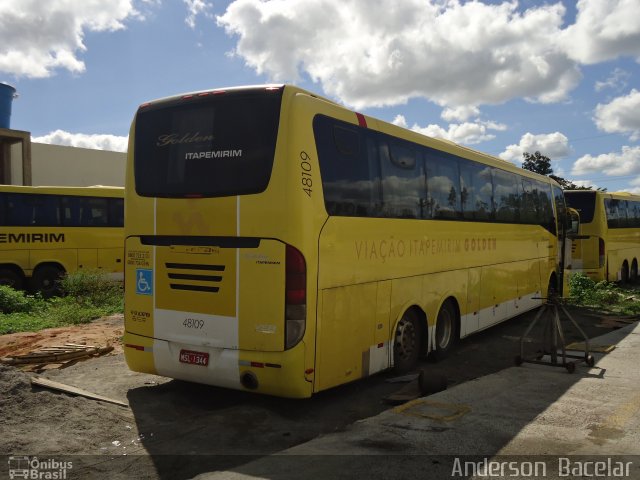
573,222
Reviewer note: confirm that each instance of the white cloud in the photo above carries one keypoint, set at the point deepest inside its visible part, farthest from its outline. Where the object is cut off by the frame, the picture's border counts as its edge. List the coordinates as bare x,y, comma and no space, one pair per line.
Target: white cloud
584,183
38,37
449,52
604,30
621,115
617,80
553,145
94,141
635,186
460,114
195,8
626,162
467,133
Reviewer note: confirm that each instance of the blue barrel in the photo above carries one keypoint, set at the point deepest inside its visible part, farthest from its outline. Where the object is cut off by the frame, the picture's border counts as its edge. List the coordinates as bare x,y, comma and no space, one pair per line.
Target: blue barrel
7,94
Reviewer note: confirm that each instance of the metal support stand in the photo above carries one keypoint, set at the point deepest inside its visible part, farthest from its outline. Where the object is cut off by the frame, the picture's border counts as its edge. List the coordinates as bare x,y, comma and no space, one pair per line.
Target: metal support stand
551,333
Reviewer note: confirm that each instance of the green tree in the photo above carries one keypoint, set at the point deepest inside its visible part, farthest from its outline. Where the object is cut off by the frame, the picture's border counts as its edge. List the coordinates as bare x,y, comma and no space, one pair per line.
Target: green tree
537,163
541,164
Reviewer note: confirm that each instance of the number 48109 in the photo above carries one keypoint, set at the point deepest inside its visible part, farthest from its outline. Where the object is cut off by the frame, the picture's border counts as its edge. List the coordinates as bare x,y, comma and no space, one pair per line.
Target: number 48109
306,178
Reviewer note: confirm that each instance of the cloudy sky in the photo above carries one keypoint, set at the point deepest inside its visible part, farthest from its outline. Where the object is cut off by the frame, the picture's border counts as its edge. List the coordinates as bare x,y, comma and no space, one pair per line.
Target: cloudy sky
503,77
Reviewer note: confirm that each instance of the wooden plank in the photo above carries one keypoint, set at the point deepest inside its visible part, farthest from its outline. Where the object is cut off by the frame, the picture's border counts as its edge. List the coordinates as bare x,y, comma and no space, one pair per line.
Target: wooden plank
46,357
61,387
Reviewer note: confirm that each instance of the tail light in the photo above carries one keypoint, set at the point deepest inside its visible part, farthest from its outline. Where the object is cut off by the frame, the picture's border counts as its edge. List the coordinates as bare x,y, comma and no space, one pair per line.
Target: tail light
295,297
601,252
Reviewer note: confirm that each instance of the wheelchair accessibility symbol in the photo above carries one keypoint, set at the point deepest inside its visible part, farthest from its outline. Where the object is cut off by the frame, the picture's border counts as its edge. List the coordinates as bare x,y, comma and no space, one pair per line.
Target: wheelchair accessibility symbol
144,281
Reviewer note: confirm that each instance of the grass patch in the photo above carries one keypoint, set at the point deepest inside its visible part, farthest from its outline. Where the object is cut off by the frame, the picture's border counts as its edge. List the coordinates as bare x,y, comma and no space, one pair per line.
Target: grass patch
87,295
604,296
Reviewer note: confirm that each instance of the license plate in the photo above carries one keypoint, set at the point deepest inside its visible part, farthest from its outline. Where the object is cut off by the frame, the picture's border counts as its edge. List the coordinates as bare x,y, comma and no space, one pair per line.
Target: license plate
194,358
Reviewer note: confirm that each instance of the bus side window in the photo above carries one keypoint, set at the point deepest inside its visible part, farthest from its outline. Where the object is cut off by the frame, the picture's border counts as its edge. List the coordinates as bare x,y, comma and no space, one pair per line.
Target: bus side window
71,211
403,180
561,210
506,196
635,208
3,209
476,191
528,207
350,171
443,186
543,205
94,212
19,210
611,210
46,210
116,212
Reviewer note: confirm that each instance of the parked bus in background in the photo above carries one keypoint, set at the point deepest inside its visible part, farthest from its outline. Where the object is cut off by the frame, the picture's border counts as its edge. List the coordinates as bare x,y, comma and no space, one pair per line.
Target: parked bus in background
612,223
46,232
280,243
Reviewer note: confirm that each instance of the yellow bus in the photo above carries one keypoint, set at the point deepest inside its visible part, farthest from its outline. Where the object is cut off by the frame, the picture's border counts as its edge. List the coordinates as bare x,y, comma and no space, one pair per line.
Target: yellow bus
46,232
280,243
612,223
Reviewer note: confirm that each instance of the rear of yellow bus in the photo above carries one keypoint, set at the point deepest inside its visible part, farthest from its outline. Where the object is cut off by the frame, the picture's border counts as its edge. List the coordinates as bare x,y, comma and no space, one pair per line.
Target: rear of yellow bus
217,256
588,254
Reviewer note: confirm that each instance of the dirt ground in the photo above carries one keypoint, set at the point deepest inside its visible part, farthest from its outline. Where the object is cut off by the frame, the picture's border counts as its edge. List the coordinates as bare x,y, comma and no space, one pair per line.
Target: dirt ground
103,332
174,429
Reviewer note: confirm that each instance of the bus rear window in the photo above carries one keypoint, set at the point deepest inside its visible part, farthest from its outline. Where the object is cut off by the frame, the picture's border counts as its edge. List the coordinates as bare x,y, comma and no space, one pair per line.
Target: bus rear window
584,202
212,146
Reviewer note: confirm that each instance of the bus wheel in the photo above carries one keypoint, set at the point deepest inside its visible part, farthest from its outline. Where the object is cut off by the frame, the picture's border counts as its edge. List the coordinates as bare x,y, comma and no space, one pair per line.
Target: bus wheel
10,278
624,273
406,348
46,280
445,330
633,273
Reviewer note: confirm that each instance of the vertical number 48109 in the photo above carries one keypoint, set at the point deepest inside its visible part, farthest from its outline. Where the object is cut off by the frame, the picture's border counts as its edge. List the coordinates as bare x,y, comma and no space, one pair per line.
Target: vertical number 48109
305,170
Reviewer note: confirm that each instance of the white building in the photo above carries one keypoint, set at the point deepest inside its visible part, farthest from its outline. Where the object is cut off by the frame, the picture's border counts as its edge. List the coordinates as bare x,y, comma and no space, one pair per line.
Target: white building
25,163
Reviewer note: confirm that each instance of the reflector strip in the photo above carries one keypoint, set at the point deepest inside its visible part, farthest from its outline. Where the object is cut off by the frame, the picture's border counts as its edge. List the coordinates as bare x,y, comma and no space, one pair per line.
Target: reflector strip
361,120
247,363
139,347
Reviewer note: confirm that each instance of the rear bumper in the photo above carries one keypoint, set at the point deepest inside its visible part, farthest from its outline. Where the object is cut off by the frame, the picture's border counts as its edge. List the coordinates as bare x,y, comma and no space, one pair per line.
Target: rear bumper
277,373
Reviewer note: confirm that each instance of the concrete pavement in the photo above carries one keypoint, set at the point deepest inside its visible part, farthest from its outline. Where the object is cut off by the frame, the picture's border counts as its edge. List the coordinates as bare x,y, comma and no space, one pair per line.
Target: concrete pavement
524,414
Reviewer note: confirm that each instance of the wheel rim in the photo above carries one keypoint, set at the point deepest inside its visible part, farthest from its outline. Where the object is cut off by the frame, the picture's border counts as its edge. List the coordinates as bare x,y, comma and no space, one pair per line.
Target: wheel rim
444,329
405,339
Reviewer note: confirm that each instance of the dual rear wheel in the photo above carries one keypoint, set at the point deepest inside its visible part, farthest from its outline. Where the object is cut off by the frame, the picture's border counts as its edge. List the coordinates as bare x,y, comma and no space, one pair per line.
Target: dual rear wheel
411,337
45,279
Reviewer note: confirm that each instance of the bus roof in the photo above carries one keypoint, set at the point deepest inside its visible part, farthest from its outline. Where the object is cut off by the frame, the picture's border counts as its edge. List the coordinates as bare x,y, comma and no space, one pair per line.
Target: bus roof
386,127
94,190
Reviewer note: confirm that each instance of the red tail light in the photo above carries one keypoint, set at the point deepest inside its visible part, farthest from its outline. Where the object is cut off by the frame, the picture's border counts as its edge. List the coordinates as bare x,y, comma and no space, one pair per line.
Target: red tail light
601,252
296,279
295,297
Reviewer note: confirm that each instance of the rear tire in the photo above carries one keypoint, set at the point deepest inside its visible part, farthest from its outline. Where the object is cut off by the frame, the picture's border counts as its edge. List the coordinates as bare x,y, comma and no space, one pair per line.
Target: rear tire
46,280
10,278
633,273
446,330
624,273
406,347
552,289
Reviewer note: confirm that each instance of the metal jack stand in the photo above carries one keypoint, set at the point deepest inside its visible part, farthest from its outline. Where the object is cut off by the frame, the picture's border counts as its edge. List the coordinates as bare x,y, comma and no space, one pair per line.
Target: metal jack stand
552,331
